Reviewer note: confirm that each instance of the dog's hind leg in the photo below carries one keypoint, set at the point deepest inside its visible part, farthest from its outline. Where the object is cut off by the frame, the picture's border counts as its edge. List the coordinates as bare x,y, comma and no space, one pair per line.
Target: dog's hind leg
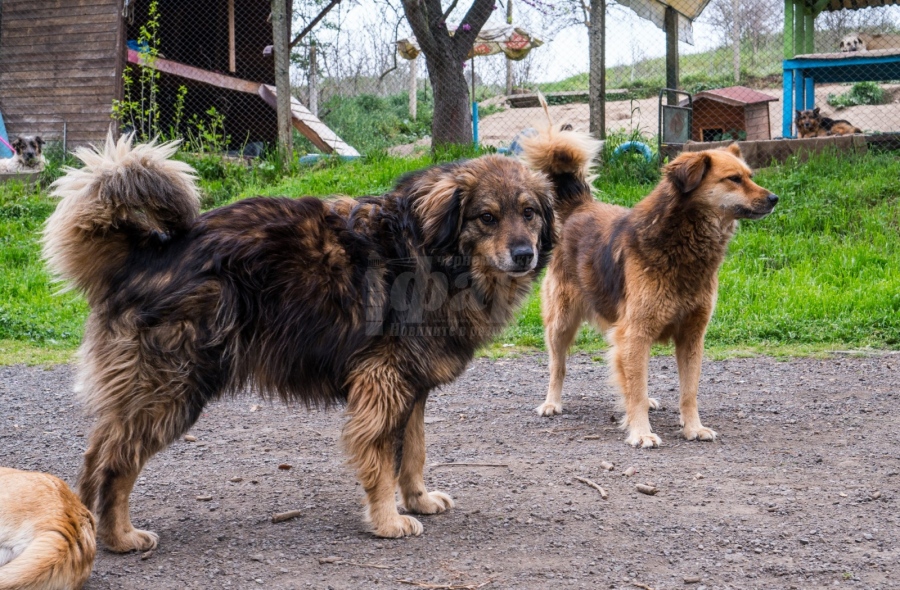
379,403
689,355
629,358
416,498
141,408
563,314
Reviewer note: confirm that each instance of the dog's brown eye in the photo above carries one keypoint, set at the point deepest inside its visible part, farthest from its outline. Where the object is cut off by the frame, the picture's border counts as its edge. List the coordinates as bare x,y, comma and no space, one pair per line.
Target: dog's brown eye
488,218
528,213
737,179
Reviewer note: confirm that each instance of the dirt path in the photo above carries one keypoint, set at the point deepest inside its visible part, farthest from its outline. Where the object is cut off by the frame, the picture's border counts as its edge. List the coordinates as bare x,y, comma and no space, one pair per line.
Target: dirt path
801,490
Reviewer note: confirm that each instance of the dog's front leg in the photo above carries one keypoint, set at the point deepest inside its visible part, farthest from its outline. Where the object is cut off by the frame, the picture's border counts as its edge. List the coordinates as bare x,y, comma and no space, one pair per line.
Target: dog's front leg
416,498
689,355
378,403
630,356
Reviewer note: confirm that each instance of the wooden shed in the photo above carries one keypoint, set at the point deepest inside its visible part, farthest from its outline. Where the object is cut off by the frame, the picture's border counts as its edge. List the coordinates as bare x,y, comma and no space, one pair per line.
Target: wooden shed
736,112
62,63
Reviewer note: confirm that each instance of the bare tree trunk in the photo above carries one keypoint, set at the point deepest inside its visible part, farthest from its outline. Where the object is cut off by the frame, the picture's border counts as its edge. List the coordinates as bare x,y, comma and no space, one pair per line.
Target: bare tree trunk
313,79
509,63
736,39
281,33
597,83
413,88
445,56
452,123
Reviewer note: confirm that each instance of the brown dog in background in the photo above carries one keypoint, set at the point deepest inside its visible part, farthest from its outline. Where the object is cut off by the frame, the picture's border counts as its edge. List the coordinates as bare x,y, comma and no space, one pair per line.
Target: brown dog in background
647,274
811,123
46,534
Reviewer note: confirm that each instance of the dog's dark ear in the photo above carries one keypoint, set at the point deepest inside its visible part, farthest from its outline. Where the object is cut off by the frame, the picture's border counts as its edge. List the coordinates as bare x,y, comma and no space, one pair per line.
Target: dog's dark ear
548,217
439,210
798,113
816,111
39,140
19,145
686,172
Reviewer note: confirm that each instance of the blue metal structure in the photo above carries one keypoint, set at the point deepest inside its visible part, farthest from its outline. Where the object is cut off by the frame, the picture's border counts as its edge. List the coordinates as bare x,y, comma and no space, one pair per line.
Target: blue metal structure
802,72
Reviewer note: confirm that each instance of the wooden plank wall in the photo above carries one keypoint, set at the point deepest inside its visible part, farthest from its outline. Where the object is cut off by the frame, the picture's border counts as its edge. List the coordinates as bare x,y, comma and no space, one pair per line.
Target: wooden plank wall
60,61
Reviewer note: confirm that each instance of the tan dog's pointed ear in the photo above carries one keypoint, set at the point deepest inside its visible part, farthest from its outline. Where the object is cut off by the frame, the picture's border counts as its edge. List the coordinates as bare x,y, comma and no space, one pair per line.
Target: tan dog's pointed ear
735,150
686,171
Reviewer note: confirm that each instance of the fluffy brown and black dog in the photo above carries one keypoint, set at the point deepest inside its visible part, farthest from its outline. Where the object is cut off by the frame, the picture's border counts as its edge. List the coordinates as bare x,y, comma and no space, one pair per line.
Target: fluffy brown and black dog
29,156
811,123
646,274
373,302
47,539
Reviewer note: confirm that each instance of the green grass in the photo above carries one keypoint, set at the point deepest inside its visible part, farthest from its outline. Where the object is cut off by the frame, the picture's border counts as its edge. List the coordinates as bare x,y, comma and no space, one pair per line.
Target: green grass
821,273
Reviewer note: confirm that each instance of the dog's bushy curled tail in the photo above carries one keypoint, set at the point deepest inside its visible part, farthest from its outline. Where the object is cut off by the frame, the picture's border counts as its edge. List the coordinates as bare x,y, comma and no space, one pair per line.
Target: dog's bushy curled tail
125,195
566,157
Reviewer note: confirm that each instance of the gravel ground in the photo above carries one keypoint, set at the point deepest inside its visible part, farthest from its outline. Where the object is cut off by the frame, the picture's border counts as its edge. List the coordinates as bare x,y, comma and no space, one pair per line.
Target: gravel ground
800,490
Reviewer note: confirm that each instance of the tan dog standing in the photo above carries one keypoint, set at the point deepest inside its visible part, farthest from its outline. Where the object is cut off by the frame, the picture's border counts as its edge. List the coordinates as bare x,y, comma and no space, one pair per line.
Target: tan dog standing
647,274
47,537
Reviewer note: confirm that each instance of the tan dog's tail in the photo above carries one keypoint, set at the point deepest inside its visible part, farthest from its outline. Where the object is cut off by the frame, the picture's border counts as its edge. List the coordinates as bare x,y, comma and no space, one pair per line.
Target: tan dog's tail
51,562
566,156
124,197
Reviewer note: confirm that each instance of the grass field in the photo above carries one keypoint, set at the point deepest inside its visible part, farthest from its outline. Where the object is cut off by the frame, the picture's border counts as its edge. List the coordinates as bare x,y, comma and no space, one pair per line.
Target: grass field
821,273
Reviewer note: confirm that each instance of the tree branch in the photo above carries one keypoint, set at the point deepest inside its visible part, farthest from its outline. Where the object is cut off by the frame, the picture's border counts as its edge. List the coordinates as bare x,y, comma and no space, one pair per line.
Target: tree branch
477,15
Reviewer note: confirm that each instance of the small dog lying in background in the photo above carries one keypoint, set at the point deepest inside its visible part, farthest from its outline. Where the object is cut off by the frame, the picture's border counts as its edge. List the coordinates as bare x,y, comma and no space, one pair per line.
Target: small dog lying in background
863,42
811,123
47,537
28,156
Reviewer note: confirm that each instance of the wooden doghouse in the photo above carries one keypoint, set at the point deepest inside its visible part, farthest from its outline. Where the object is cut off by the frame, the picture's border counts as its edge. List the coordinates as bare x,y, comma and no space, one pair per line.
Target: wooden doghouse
737,112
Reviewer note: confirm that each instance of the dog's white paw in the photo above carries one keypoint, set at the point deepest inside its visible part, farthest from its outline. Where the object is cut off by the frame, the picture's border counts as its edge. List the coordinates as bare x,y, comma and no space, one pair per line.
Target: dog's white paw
398,526
429,503
549,409
654,403
646,440
133,540
699,432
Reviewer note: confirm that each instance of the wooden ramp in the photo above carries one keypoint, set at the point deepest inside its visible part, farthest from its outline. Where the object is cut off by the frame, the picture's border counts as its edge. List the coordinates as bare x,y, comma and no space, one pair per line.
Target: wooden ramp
309,125
303,120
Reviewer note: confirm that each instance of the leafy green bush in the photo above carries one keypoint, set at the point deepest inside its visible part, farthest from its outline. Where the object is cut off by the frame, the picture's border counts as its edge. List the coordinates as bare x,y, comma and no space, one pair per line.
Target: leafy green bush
859,93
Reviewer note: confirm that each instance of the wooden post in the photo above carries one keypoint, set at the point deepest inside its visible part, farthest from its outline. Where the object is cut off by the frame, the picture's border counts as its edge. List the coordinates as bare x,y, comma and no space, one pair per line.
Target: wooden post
413,88
671,22
509,63
313,80
597,69
232,53
280,35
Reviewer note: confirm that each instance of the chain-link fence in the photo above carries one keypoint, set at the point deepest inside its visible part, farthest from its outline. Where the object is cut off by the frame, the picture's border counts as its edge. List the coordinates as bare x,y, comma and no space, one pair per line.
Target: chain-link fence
747,70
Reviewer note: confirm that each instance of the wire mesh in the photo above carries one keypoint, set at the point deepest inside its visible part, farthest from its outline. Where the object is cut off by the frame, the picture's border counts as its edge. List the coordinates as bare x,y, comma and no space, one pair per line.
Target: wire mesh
754,69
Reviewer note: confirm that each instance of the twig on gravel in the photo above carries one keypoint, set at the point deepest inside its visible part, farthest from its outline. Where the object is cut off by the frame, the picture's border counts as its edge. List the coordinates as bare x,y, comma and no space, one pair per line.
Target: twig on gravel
562,429
430,586
375,565
469,465
639,585
283,516
594,485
